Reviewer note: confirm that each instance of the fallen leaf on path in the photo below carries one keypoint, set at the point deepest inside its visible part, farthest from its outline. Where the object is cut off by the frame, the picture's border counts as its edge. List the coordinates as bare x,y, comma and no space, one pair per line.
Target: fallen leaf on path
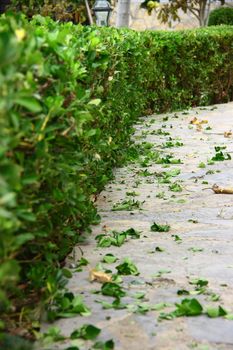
195,121
228,133
222,190
106,228
99,276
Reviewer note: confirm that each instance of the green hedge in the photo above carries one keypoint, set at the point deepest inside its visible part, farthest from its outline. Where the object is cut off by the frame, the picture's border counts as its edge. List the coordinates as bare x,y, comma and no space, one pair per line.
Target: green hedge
68,98
221,15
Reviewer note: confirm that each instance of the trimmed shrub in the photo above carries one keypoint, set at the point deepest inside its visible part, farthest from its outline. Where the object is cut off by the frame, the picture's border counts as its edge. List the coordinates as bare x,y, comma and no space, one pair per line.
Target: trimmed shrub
68,98
221,15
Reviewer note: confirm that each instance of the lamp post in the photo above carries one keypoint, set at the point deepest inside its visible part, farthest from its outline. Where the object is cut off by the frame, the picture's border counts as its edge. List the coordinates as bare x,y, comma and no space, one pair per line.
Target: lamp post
102,10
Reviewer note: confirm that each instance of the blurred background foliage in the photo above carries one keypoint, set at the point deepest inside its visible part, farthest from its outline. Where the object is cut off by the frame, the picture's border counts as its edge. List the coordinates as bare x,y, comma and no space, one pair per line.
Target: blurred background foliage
222,15
63,10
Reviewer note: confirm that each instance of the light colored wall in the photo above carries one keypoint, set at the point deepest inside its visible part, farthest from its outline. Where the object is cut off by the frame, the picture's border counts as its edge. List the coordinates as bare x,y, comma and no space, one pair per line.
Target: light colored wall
140,20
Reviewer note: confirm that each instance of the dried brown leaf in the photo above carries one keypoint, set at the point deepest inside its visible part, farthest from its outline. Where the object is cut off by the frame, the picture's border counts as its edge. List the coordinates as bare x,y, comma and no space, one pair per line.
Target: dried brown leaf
222,190
99,276
195,121
106,228
228,133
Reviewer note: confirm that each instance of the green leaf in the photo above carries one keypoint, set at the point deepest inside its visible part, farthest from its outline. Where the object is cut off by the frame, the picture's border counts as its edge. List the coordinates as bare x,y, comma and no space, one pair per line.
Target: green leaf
183,292
22,239
159,228
195,249
26,215
214,297
127,268
82,262
67,273
112,289
29,103
109,258
200,282
132,233
167,316
159,306
53,334
171,173
189,307
119,238
219,155
142,308
177,238
216,312
132,193
159,249
139,295
106,241
95,102
202,165
168,160
128,205
71,305
87,332
9,272
116,305
229,317
170,144
108,345
212,312
175,187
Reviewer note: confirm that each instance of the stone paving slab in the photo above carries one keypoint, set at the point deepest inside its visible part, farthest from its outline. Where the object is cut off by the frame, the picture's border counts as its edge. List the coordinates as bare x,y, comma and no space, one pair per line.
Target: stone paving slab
201,218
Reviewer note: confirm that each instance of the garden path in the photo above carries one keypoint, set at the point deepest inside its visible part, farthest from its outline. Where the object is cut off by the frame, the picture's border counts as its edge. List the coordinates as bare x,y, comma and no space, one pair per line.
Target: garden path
194,257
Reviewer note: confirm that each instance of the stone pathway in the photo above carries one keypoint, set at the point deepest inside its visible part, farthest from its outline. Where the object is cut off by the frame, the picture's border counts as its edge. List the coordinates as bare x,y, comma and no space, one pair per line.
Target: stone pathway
197,246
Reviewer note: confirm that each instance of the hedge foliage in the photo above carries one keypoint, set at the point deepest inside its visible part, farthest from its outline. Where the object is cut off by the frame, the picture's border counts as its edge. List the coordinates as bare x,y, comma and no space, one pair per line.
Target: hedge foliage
68,98
221,15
